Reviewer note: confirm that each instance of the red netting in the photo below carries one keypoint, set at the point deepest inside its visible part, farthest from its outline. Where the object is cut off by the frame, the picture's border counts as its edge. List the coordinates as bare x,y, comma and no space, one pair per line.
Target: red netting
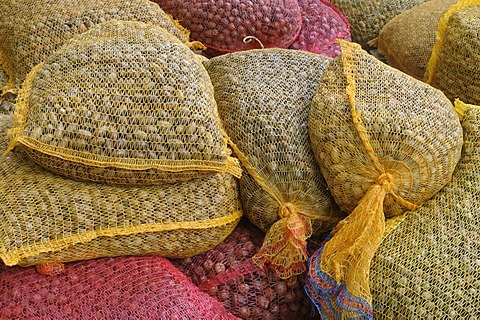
322,24
226,26
121,288
228,274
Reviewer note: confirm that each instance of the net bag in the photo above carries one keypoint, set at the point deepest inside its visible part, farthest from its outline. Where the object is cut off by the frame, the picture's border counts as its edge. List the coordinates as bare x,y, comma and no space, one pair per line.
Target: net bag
368,17
428,266
264,98
46,218
228,274
322,24
35,29
386,143
123,103
454,64
407,40
137,287
228,26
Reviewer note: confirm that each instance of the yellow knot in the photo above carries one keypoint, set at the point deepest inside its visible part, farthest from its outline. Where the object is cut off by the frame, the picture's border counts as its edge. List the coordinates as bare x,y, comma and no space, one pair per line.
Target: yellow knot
287,209
386,180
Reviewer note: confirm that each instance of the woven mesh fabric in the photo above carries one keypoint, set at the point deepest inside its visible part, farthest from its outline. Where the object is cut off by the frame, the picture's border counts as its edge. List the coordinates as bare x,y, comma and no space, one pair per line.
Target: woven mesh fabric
407,40
228,274
263,98
428,266
126,103
322,24
225,26
48,218
35,29
127,287
367,17
454,64
385,143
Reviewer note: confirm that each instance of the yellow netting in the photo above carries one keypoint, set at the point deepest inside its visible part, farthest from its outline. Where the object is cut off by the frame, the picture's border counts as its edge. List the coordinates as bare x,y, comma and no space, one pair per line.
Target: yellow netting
34,29
454,64
46,218
428,266
126,103
367,17
385,143
407,40
263,98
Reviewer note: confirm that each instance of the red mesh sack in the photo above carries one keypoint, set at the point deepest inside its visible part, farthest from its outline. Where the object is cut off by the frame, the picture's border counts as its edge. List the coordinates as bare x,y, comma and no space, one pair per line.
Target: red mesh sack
121,288
228,26
322,24
228,274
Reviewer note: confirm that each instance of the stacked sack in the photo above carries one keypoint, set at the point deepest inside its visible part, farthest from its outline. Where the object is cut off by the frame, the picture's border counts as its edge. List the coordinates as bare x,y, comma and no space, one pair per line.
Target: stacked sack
140,288
386,143
229,26
165,180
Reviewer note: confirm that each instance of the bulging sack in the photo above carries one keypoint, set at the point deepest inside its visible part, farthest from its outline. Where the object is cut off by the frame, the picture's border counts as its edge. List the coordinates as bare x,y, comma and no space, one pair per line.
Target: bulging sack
46,218
263,98
124,103
454,64
367,17
34,29
428,266
229,26
385,143
407,40
322,24
140,287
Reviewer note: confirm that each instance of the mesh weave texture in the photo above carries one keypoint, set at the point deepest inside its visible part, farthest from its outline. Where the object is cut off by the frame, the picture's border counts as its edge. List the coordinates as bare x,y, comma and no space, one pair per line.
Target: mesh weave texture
263,99
454,64
385,143
407,40
367,17
322,24
47,218
34,29
121,288
126,103
228,274
428,266
225,25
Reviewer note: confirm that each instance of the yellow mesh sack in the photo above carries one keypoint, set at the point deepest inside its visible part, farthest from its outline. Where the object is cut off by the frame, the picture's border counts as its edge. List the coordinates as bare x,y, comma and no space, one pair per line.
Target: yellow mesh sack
124,103
263,98
367,17
386,143
34,29
47,218
454,66
428,266
407,40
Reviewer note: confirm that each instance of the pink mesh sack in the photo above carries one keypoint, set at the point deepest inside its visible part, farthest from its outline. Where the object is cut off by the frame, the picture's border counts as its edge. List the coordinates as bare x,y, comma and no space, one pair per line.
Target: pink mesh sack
121,288
322,24
228,26
228,274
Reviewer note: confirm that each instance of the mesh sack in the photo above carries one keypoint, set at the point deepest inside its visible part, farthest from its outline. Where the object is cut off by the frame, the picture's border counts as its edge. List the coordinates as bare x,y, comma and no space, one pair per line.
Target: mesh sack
428,266
454,64
386,143
228,26
127,287
228,274
263,99
368,17
47,218
322,24
124,103
407,40
35,29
